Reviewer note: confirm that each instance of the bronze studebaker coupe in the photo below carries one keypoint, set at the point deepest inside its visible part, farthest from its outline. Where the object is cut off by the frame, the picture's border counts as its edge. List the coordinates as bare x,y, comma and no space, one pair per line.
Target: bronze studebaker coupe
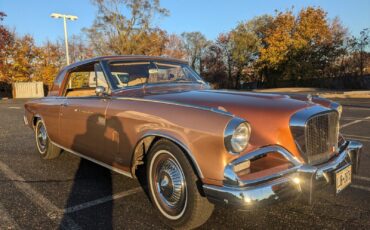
197,146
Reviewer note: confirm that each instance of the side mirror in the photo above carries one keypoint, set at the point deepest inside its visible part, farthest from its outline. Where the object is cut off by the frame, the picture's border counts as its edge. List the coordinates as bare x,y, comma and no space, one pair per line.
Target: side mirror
100,91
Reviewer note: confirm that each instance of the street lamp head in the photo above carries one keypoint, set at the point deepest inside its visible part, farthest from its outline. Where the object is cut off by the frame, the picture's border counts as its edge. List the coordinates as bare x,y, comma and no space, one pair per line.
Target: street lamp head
71,17
55,15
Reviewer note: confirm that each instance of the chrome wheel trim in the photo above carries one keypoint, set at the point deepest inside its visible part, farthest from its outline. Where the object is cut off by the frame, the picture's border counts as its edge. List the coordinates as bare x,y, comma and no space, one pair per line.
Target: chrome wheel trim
168,185
41,137
170,182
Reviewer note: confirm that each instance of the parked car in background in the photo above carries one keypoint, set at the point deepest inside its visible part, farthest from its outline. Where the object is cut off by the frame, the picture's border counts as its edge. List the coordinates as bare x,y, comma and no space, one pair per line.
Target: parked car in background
197,146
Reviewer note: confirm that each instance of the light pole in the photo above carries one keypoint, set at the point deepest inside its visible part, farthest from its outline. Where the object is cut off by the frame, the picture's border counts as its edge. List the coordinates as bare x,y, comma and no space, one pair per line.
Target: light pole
65,17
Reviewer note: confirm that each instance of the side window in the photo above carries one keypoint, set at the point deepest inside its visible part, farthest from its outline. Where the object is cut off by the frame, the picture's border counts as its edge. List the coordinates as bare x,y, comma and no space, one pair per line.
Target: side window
125,74
166,72
83,80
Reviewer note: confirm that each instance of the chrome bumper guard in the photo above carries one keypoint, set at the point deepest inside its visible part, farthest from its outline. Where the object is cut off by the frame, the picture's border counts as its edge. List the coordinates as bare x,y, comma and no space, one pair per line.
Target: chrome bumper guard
302,180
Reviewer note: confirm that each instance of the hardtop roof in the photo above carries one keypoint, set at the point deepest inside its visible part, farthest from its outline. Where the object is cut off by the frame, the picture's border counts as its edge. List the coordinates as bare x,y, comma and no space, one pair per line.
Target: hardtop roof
123,58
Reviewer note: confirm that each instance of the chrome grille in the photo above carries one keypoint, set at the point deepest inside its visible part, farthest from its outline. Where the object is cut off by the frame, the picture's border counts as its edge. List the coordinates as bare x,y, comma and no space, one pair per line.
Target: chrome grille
315,131
321,137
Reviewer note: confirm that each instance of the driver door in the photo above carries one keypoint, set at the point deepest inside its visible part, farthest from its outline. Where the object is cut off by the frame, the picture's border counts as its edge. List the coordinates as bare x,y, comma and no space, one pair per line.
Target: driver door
83,113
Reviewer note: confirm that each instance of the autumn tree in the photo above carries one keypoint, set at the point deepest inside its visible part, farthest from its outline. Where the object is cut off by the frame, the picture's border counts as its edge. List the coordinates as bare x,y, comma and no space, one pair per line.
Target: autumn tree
79,48
302,46
126,27
17,55
225,45
214,66
234,54
195,44
6,42
247,39
6,36
358,46
19,61
47,63
175,47
278,41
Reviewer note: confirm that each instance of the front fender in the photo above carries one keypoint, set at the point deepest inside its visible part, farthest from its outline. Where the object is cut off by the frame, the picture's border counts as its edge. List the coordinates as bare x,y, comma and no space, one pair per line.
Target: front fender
199,132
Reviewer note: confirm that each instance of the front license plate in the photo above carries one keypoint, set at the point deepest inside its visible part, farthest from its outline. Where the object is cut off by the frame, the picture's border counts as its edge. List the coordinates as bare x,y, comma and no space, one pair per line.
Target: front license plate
343,178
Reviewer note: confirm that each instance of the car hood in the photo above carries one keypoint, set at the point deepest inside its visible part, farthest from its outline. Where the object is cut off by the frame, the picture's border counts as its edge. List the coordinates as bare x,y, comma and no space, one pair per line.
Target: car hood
268,114
247,105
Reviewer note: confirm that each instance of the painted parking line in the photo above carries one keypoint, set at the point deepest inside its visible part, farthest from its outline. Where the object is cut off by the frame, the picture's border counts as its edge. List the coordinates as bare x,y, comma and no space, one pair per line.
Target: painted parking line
6,222
357,107
362,178
350,118
358,136
52,211
365,188
355,122
102,200
357,139
14,107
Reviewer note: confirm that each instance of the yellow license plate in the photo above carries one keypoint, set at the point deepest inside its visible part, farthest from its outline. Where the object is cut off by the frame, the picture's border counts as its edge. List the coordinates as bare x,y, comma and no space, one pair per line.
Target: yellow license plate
343,178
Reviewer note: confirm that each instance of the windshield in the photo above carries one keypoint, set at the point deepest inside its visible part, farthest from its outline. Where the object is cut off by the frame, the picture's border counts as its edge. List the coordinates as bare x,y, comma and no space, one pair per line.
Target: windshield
125,74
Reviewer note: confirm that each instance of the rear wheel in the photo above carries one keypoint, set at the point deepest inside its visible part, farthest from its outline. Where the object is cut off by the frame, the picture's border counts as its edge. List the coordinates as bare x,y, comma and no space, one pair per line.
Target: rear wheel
45,148
173,187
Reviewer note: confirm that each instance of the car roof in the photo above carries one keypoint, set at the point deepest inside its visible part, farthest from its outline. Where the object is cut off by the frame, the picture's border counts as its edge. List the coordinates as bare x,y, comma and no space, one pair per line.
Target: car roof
123,58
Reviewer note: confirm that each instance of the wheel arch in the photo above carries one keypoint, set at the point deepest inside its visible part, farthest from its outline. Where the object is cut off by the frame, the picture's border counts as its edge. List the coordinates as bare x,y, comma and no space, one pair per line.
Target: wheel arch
145,143
35,118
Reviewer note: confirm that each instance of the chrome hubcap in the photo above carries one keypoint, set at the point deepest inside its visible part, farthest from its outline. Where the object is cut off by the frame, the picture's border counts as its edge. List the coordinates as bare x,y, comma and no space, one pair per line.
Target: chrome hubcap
42,138
169,185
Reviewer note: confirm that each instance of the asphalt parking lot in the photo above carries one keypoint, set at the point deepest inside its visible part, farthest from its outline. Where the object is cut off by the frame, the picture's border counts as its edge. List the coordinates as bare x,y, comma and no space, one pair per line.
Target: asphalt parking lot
70,193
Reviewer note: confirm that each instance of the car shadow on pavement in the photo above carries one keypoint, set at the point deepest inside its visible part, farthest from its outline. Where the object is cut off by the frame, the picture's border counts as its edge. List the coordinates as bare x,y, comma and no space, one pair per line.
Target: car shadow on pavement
92,181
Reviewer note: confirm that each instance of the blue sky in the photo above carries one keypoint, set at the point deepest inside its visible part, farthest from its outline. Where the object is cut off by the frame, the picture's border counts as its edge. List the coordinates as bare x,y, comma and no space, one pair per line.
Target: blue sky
210,17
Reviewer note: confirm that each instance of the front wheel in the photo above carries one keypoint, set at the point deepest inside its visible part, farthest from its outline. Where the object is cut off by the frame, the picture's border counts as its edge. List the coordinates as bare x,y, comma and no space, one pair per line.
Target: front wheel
173,187
45,147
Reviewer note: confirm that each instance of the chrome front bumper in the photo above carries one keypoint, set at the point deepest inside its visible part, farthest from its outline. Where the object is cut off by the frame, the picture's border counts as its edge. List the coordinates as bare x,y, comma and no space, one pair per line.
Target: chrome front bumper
300,181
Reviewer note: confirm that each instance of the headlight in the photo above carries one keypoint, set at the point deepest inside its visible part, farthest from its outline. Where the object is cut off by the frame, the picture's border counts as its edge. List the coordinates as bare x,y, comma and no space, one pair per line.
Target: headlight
237,135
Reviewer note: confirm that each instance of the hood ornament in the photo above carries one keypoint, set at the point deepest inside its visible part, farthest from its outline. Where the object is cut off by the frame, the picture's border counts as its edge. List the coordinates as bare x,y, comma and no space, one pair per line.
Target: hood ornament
309,98
221,108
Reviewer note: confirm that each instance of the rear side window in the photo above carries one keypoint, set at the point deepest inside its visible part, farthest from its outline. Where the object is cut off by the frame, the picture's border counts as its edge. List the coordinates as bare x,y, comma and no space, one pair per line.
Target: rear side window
80,80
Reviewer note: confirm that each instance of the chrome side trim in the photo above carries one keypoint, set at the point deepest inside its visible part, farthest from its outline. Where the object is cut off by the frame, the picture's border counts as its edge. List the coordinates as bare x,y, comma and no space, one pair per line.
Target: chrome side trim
128,174
175,103
231,179
187,150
